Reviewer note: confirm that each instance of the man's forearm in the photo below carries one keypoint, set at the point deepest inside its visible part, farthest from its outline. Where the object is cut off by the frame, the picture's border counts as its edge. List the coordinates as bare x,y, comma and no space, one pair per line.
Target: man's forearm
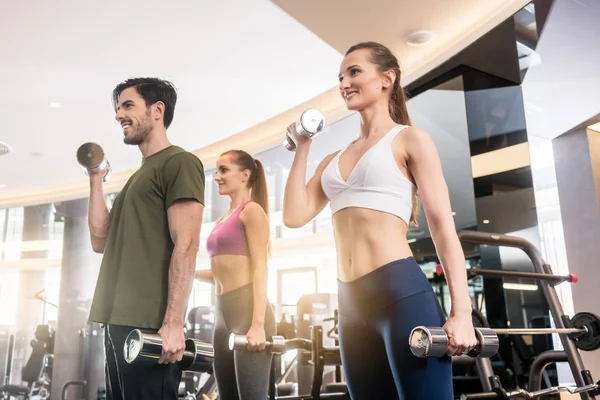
98,216
181,281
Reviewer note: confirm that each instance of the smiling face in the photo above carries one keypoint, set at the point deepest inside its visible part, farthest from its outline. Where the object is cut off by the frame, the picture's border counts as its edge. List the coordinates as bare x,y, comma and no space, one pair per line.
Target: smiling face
230,177
361,82
134,116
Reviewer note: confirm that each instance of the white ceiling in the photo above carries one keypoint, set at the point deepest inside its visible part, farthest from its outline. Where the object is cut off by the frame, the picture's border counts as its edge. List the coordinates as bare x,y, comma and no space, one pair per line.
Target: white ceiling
234,63
238,64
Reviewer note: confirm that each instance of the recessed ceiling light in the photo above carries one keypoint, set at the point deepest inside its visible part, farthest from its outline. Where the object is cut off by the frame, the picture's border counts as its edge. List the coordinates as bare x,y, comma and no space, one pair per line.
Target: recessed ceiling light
5,148
2,186
55,105
486,221
420,38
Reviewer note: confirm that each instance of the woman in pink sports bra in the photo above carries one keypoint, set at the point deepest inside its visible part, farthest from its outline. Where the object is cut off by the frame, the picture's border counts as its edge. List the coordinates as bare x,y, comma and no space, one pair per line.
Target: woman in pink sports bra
371,185
238,247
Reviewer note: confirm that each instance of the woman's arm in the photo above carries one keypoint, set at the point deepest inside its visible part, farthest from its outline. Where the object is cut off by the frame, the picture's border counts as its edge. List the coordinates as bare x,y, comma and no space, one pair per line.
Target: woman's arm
425,167
204,275
303,201
256,226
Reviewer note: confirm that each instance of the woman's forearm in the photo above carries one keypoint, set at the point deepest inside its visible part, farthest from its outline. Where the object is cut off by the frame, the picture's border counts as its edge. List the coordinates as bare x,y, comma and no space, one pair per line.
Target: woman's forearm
260,296
452,259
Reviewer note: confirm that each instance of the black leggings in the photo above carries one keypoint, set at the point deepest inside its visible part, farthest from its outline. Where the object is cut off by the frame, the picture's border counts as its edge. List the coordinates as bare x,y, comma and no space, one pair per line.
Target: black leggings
240,375
126,381
376,314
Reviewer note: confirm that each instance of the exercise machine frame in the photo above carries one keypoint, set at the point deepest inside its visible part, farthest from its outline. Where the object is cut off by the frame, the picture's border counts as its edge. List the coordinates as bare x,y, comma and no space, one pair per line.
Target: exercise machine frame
581,375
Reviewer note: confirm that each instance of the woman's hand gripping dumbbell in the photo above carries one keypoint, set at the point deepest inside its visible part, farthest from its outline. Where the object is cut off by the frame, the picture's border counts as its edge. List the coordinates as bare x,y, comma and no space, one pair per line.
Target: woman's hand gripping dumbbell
433,342
277,344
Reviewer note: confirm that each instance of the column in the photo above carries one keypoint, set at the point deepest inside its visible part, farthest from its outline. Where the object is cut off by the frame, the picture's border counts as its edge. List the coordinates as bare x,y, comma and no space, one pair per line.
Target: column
219,204
577,163
76,344
30,311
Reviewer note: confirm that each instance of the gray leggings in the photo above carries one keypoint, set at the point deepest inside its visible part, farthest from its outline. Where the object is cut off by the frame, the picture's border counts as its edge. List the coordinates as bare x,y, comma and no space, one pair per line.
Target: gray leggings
240,375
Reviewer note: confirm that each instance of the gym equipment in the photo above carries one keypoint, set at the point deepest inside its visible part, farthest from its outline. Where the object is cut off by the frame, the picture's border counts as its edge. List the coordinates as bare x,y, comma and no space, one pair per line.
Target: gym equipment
309,123
277,345
37,372
590,339
90,157
546,280
433,342
144,347
490,273
320,357
518,394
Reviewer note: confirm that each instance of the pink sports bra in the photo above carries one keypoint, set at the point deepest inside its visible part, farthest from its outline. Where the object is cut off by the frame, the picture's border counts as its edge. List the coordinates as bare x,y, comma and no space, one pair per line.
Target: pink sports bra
228,237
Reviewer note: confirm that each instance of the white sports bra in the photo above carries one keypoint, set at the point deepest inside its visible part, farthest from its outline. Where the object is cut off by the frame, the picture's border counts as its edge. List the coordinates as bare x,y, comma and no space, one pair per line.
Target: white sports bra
376,182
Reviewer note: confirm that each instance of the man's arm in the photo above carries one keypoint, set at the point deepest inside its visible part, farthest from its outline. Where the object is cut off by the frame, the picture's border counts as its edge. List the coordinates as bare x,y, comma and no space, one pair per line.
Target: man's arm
98,216
185,219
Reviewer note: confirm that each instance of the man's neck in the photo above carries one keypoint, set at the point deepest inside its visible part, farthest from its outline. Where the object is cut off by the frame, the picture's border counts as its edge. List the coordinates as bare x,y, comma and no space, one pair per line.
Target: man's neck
155,142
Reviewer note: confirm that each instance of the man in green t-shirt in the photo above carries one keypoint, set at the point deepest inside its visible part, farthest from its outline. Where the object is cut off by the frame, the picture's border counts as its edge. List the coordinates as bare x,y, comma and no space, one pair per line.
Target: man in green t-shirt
149,240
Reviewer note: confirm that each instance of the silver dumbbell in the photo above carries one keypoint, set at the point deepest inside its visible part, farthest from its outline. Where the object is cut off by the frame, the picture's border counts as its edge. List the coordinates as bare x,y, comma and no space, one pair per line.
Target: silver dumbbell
277,345
146,348
309,123
433,342
90,157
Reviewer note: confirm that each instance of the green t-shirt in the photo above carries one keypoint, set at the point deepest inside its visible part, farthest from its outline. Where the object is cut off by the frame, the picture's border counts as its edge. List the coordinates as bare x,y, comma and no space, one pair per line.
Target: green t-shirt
132,287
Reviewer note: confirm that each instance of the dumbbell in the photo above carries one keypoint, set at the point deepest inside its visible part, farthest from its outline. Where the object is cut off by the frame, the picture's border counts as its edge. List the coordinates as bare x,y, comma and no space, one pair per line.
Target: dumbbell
309,123
277,344
145,348
91,158
433,342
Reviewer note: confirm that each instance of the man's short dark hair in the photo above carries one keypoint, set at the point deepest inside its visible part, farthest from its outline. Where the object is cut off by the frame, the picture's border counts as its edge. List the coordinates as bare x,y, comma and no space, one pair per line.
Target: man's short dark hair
151,90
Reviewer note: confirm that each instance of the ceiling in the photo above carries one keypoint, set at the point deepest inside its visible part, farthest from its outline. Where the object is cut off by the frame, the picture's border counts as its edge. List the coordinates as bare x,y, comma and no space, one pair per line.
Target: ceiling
242,75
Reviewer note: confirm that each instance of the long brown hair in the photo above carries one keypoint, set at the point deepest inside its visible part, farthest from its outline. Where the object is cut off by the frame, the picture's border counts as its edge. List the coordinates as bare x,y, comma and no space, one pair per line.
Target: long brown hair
387,61
257,181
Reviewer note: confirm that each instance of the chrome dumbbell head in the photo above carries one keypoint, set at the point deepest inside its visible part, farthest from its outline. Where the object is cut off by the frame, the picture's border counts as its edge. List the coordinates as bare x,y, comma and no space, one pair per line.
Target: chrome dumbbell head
277,345
308,124
428,342
198,356
487,343
91,158
142,347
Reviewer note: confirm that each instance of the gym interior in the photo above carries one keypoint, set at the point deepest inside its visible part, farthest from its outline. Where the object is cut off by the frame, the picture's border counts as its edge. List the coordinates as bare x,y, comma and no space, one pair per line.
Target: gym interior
507,89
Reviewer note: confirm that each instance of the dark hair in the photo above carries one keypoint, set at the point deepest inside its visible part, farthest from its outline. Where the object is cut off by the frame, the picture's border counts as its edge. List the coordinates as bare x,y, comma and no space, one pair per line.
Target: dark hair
152,90
257,181
386,61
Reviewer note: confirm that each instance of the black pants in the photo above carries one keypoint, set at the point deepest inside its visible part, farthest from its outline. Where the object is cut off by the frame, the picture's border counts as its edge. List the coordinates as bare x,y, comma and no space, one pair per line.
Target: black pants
132,382
376,315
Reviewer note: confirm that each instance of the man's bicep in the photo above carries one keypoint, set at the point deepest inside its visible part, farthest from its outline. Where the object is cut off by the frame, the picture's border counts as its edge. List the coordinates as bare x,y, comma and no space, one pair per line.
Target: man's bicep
185,220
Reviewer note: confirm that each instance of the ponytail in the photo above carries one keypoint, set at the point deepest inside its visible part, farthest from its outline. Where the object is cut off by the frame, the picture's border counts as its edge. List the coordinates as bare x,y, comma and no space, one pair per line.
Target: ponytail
259,192
258,188
399,113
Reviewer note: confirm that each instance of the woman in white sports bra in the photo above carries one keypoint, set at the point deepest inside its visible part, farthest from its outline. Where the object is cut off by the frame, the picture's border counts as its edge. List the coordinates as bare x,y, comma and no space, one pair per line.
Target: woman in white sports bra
371,185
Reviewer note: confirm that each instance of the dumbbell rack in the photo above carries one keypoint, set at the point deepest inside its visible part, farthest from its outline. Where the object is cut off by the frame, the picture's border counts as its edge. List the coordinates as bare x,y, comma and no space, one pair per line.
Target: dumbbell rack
581,375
